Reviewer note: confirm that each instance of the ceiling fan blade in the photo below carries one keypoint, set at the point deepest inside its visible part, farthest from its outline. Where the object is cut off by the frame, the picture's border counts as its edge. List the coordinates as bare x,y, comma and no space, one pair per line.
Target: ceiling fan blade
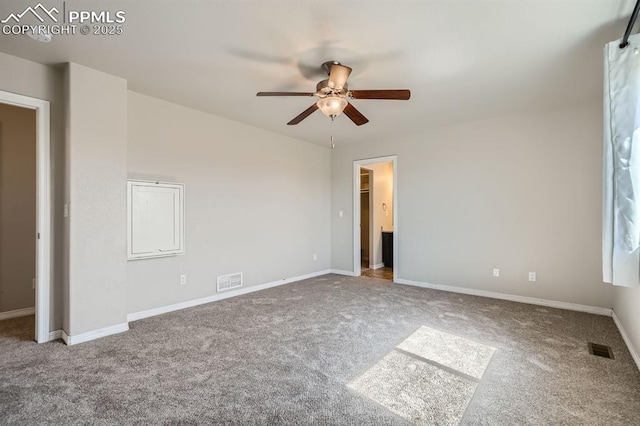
284,94
400,95
338,76
355,115
304,114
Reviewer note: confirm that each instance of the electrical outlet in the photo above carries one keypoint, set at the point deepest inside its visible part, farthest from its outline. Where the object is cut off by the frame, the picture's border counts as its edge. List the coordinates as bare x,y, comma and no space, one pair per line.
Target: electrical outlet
341,213
183,279
33,284
315,257
532,276
496,272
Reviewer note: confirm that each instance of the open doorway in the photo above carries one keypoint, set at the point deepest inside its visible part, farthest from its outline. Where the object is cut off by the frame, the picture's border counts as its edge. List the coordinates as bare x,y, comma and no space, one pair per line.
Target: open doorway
25,216
17,213
375,217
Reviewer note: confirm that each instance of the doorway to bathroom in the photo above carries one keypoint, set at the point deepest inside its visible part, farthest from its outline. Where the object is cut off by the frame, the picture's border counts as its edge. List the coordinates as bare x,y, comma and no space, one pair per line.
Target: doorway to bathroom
375,212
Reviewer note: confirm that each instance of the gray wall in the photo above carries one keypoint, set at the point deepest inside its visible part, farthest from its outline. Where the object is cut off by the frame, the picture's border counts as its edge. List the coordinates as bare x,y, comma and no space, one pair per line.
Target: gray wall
96,143
43,82
263,198
520,193
256,202
17,207
515,192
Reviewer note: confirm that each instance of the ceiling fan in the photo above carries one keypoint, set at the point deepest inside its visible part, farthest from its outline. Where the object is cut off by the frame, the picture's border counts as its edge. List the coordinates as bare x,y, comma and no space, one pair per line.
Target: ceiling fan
333,93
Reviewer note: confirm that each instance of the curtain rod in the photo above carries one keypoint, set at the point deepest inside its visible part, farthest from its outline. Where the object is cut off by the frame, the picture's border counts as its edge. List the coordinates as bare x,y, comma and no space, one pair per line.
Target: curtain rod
632,21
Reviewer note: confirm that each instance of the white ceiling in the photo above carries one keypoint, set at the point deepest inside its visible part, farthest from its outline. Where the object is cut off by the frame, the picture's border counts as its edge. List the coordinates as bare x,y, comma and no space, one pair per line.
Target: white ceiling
462,59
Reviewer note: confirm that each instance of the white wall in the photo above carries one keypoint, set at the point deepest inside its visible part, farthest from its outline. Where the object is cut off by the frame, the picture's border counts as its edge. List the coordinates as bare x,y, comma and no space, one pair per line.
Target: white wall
17,207
256,202
520,193
96,145
43,82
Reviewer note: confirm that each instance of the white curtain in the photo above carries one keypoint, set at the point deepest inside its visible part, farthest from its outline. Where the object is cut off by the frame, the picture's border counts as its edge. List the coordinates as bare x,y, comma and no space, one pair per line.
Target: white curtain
621,227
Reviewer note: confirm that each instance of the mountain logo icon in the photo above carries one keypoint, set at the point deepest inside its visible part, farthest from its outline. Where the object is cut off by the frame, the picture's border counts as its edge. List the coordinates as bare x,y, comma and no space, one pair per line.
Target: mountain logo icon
43,11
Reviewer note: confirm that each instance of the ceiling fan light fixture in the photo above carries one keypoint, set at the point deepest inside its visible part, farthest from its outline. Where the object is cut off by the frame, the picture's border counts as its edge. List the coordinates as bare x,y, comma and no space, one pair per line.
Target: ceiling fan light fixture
332,106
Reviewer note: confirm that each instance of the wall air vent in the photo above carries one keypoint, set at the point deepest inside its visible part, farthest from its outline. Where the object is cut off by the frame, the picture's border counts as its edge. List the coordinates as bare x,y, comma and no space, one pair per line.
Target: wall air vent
227,282
600,350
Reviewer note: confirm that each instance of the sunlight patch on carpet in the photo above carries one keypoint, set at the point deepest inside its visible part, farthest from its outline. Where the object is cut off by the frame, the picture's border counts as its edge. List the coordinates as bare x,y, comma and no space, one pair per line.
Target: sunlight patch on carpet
429,379
420,392
458,353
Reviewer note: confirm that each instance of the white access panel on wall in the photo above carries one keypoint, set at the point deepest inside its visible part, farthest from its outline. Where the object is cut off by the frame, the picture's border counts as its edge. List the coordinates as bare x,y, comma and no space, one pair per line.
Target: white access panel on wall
155,219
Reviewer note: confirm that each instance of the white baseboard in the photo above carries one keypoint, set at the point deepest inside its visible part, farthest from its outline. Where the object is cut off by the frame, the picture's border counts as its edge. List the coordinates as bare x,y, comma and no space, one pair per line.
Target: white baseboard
220,296
55,335
17,313
341,272
627,340
95,334
513,298
376,266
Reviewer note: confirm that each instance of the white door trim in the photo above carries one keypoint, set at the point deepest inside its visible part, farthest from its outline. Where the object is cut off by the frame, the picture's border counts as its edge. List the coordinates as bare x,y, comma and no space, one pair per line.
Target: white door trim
43,207
356,210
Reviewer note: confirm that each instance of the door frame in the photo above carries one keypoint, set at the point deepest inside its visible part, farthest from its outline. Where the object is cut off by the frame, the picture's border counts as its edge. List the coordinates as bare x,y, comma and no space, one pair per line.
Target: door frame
356,210
43,206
